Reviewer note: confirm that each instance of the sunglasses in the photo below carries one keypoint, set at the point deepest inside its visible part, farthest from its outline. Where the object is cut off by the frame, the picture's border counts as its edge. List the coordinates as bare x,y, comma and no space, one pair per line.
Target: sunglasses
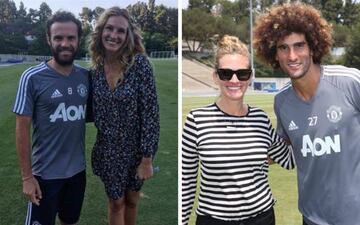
226,74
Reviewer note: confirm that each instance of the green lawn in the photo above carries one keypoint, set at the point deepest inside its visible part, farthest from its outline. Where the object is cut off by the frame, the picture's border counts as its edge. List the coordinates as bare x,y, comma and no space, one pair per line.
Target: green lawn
282,182
158,205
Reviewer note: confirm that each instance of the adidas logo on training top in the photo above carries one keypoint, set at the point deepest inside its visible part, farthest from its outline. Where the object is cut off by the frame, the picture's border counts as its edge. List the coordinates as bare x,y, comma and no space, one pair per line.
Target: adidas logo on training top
56,94
292,126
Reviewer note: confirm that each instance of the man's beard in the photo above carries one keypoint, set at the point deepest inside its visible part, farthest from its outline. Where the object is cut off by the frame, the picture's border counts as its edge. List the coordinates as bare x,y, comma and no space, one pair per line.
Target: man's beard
64,62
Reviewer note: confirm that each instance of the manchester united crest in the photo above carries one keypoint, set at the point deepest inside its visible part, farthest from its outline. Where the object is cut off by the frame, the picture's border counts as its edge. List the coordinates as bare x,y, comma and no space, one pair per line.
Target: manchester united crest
334,114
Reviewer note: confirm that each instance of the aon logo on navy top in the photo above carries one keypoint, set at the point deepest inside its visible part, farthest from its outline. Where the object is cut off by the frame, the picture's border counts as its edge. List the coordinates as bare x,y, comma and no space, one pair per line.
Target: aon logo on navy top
319,147
70,113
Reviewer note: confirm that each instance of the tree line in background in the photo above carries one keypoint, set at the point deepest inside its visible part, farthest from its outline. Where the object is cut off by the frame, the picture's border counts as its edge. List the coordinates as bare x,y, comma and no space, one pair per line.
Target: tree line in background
22,31
207,20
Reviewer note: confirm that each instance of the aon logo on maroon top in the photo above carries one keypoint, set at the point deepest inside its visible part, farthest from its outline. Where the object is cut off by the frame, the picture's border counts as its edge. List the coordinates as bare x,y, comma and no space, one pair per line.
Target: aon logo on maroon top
70,113
319,146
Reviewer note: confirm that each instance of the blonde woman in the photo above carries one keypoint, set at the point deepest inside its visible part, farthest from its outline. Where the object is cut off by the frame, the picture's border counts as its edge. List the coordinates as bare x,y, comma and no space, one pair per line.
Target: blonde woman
126,113
230,142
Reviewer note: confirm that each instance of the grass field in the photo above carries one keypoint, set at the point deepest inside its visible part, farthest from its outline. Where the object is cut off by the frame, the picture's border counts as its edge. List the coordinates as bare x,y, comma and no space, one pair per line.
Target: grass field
282,182
158,205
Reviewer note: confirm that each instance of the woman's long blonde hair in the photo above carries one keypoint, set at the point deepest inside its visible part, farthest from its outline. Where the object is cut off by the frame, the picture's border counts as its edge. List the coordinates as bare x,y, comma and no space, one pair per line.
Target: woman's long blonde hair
132,45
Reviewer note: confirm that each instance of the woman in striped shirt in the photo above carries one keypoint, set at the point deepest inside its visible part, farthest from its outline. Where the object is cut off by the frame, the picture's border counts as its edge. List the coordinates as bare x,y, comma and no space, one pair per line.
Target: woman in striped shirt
233,143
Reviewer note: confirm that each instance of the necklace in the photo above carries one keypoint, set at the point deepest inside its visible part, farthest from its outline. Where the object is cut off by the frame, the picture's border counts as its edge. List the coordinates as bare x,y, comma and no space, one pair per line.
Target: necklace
113,75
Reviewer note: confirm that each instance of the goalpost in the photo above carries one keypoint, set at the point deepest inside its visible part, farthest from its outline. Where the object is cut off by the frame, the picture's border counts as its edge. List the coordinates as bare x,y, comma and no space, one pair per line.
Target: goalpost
163,54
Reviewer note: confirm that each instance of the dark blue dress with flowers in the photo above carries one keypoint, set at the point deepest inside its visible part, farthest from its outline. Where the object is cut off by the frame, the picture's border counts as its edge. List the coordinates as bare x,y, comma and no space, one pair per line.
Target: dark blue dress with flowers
127,121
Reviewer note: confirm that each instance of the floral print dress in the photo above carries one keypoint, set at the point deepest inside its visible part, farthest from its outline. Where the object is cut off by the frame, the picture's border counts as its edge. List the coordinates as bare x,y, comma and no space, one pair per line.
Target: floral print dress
127,122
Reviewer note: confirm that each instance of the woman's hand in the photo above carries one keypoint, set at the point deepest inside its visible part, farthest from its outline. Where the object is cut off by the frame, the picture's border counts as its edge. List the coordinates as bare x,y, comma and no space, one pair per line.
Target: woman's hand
145,169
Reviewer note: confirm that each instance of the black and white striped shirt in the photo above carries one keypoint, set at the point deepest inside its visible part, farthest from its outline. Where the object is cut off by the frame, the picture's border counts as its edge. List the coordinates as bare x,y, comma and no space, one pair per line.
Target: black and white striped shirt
233,154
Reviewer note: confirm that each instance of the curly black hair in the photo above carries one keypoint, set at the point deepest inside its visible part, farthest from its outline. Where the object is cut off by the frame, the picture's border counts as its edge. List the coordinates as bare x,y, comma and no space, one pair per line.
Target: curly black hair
280,21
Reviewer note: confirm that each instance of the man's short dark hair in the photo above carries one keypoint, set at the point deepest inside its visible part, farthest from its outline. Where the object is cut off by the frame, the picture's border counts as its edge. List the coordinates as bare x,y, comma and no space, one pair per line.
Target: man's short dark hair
63,17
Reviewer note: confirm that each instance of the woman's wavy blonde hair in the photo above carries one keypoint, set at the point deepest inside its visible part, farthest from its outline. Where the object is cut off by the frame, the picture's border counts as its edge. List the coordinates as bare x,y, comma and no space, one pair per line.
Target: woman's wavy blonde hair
230,45
132,45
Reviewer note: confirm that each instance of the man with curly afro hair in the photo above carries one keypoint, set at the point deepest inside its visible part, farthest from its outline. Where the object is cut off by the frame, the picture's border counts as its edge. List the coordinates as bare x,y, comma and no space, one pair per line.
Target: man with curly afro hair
318,112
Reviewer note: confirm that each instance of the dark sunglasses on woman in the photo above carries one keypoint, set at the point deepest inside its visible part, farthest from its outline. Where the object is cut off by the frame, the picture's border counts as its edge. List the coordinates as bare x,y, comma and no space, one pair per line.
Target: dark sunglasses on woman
241,74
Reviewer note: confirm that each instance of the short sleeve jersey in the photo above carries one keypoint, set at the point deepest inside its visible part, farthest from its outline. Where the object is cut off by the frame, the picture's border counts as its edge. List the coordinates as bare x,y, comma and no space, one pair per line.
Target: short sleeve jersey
57,105
324,133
